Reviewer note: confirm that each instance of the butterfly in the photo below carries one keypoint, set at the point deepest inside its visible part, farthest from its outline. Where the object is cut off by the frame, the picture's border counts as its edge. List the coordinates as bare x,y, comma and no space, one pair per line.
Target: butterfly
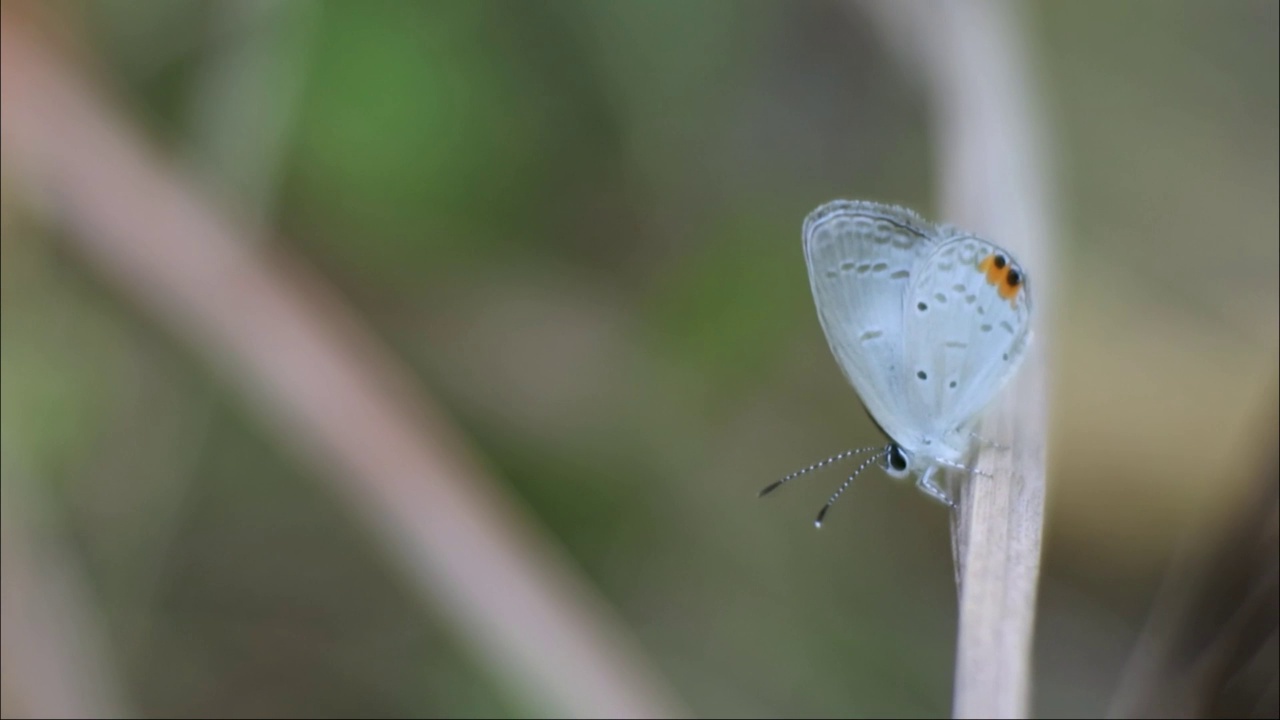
927,322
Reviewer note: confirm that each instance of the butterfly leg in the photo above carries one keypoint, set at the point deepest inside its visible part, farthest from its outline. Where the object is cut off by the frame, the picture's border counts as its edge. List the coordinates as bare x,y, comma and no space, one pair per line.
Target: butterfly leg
929,484
988,443
966,468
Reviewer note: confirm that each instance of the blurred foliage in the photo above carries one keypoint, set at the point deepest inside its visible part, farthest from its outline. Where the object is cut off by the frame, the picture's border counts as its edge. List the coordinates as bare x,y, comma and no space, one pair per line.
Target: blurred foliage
580,223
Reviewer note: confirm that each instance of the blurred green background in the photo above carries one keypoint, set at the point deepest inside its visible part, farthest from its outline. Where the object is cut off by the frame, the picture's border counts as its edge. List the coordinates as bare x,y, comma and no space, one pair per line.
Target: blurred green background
579,222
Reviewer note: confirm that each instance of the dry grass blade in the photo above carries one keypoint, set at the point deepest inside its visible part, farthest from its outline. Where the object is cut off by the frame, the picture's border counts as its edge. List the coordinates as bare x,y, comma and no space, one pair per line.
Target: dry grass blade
993,180
327,388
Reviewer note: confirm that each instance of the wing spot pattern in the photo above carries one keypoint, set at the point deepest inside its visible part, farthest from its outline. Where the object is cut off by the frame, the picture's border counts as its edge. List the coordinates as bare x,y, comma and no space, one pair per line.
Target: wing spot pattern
1003,275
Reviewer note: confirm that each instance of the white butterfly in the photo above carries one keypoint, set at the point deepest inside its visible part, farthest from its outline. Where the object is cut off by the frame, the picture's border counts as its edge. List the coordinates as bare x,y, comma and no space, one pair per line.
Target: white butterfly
927,322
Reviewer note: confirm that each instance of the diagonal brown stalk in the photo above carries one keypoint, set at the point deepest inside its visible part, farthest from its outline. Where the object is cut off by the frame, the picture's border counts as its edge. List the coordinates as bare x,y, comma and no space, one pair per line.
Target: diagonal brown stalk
325,387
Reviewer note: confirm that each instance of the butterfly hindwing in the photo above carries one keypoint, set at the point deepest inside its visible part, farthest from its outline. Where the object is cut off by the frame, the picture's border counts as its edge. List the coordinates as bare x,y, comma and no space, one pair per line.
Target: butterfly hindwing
966,326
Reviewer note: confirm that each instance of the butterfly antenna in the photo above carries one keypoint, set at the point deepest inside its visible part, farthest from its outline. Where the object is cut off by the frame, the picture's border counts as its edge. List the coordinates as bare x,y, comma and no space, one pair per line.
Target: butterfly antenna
835,496
834,458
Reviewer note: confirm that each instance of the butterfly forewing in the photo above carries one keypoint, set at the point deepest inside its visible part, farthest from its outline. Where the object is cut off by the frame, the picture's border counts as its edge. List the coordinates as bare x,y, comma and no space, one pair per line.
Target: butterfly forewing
861,258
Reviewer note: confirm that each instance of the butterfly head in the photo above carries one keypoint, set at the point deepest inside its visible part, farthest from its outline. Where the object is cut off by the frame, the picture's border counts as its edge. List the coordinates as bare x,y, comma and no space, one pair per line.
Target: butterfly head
896,461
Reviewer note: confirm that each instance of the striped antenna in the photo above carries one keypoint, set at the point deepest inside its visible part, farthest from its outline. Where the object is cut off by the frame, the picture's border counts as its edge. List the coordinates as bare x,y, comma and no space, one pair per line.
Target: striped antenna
834,458
865,464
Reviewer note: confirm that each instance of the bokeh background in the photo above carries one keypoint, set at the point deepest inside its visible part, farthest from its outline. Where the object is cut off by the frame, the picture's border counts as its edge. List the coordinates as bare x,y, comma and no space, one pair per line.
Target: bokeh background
578,223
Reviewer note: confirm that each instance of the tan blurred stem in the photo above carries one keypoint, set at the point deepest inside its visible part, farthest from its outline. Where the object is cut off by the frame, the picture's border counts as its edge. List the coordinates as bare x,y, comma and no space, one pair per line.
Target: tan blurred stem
245,98
1208,649
327,387
53,656
994,180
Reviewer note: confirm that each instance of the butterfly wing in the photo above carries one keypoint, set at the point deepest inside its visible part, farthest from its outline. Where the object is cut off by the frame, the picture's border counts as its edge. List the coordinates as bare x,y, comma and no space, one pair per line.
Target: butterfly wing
966,328
861,256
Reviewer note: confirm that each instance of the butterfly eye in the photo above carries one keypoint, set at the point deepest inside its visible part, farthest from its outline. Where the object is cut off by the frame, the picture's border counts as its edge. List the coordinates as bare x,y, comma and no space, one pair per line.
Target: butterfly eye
896,459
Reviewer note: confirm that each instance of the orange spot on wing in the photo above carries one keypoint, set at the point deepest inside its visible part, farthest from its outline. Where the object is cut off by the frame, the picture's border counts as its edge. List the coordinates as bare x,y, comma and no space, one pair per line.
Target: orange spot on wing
999,277
995,275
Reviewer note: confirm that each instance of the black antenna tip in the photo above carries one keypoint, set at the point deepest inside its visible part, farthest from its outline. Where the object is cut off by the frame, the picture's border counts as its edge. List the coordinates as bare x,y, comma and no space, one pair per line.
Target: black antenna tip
769,488
821,514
